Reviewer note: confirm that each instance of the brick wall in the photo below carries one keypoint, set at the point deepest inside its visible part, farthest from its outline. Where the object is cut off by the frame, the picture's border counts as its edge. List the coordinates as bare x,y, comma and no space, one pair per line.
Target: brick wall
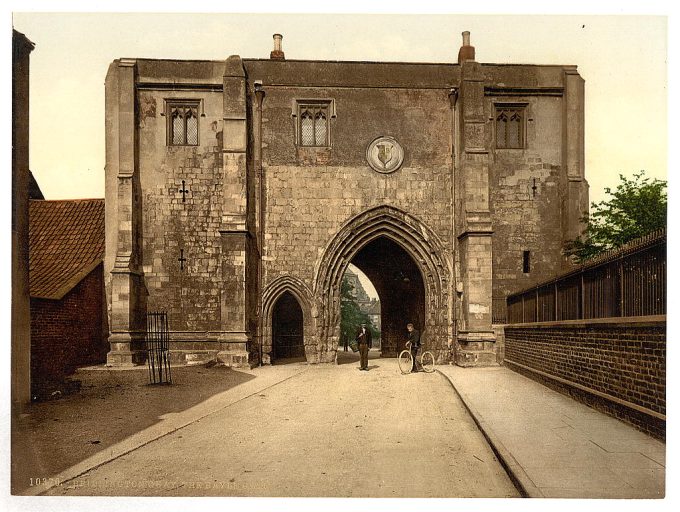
67,333
615,365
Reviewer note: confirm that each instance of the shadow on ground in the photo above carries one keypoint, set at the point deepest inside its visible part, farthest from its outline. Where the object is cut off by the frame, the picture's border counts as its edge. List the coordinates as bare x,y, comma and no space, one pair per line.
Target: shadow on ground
111,406
350,357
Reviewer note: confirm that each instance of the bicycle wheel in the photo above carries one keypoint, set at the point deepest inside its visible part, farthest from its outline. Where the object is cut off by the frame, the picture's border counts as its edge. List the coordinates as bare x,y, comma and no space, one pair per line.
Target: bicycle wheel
427,362
405,362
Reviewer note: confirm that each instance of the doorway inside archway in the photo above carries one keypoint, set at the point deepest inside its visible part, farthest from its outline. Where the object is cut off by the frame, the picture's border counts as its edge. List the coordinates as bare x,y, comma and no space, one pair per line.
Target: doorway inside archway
287,330
399,285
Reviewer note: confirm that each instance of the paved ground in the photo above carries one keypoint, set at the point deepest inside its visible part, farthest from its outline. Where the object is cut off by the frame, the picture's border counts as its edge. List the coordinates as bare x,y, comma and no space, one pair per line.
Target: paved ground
117,411
325,431
556,446
296,430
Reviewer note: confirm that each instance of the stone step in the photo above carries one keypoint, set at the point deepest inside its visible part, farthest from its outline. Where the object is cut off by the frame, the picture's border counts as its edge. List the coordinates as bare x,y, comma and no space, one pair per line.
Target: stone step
125,358
190,357
477,358
237,359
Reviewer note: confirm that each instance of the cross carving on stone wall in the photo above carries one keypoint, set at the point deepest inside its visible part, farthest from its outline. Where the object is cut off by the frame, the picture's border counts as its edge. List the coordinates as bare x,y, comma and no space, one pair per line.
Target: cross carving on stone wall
533,188
181,259
183,191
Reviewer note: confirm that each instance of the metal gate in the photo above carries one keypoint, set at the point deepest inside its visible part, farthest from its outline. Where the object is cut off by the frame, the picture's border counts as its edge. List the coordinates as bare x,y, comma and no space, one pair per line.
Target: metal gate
158,347
288,346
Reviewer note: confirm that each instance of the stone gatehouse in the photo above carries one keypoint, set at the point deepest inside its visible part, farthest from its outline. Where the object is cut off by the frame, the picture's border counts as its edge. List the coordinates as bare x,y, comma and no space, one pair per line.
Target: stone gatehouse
238,192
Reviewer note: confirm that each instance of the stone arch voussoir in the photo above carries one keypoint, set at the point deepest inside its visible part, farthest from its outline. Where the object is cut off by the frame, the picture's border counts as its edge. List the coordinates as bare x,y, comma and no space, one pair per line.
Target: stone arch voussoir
418,240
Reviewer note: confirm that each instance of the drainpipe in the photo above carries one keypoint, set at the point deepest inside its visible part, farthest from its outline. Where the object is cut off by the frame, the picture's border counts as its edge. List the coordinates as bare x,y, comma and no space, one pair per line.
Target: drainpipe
259,213
453,286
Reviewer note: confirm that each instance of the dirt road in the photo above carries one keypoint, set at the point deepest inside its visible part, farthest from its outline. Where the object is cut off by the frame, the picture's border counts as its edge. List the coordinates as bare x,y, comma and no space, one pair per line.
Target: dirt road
330,431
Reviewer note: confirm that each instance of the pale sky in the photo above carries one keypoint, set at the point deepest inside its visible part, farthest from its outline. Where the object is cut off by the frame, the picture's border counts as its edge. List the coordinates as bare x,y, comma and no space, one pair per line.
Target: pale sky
621,58
365,282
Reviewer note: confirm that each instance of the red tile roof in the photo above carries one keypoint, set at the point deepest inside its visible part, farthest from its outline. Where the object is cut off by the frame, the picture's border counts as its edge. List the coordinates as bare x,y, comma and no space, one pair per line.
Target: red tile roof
66,242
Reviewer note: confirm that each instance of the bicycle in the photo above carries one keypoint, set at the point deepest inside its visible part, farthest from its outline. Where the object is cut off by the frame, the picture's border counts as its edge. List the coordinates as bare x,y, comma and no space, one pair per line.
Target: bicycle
405,359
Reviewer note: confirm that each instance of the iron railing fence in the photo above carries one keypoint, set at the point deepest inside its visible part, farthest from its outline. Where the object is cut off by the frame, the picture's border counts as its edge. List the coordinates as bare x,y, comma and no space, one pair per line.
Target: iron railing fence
499,310
630,281
158,348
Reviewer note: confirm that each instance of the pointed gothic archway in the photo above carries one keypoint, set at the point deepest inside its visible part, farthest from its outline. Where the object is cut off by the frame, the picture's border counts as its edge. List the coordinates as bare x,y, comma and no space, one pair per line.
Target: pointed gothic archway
287,328
286,288
405,235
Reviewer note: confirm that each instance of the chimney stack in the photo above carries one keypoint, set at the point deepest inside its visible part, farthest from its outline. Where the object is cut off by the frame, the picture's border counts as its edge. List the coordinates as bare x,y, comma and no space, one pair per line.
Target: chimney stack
466,51
277,52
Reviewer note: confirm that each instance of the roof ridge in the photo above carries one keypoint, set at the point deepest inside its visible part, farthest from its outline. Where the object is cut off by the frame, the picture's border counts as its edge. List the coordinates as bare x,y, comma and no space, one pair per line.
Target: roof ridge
79,199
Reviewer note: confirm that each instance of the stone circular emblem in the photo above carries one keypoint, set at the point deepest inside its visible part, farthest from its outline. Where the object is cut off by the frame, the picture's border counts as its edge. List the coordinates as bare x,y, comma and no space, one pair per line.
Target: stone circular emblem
385,154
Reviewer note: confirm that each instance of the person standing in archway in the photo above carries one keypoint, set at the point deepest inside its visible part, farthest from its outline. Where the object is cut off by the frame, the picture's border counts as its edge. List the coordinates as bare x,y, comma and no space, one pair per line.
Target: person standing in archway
414,339
363,338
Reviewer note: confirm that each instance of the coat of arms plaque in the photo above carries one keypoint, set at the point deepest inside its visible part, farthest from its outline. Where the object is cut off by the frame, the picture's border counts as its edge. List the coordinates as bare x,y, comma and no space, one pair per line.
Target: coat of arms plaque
385,154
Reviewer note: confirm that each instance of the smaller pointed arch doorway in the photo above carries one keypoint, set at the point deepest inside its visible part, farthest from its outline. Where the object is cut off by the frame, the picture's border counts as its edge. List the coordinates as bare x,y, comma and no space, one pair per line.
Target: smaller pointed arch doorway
287,330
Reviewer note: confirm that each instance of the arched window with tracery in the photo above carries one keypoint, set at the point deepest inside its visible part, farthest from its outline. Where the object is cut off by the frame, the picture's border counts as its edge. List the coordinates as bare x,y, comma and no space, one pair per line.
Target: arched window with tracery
510,127
182,123
320,128
313,124
306,128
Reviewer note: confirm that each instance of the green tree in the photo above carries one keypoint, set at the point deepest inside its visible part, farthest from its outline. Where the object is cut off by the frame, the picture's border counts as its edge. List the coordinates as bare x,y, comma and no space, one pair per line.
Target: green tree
351,316
636,208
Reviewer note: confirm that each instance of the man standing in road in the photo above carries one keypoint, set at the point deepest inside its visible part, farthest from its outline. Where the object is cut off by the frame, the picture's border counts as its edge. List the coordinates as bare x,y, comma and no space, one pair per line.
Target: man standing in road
414,338
363,337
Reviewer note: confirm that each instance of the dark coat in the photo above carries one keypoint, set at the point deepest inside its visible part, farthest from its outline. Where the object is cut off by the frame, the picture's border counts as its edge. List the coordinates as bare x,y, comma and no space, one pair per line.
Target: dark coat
414,338
367,336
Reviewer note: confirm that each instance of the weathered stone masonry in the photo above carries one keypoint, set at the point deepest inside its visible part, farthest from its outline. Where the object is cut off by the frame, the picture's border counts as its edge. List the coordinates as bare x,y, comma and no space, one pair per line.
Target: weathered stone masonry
216,232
